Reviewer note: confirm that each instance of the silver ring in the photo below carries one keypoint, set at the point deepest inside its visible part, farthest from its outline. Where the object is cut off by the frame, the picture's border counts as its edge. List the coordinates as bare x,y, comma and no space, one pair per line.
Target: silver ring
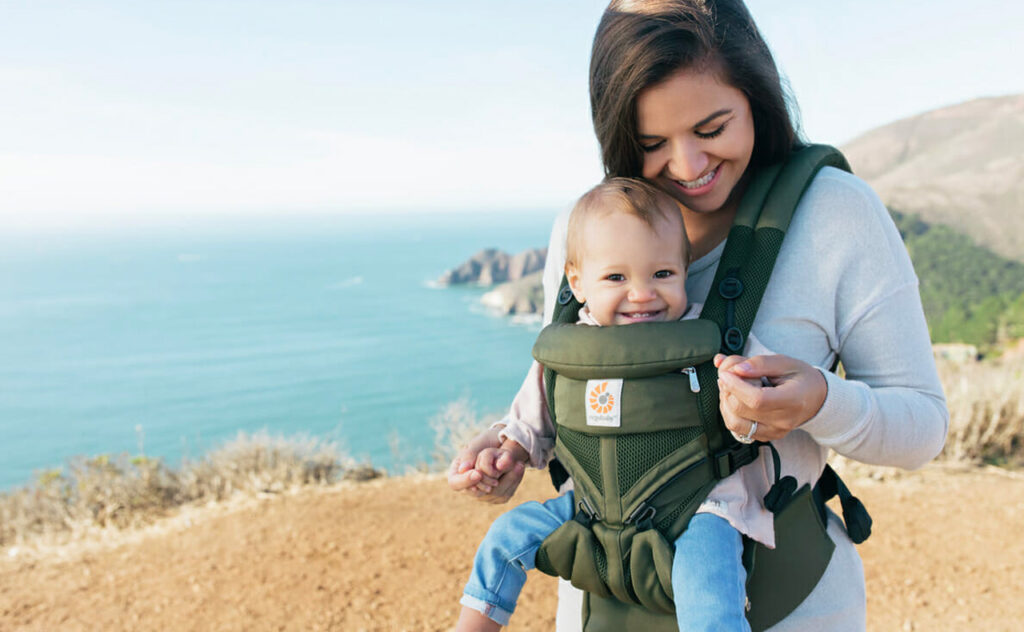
749,437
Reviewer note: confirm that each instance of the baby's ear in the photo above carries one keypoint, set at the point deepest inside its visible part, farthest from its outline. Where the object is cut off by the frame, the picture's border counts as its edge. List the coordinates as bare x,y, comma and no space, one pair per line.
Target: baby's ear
572,273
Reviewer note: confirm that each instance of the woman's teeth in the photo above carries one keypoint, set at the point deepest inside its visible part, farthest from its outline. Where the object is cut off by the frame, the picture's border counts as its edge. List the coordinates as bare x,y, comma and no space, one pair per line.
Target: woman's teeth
699,182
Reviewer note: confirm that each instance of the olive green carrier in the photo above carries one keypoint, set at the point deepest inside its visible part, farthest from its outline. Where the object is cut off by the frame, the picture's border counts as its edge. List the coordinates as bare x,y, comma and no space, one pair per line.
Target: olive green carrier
641,472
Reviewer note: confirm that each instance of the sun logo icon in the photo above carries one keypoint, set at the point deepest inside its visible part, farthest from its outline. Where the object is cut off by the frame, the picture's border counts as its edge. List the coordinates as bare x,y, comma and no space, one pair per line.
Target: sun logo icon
601,401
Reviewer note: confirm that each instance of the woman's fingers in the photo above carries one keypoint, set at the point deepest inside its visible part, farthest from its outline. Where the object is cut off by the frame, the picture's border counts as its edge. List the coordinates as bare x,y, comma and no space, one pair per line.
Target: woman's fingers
726,363
770,366
461,481
797,393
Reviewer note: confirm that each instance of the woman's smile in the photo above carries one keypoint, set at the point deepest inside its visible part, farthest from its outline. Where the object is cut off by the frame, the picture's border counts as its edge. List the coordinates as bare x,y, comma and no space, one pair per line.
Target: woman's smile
701,185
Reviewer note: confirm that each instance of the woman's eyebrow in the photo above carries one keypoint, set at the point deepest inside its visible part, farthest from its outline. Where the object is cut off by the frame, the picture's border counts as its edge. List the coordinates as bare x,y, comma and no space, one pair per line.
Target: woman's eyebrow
701,123
707,119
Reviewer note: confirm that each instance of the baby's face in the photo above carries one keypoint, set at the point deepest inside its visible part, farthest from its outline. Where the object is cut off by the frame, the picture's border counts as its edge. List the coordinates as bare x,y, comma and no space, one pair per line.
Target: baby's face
630,273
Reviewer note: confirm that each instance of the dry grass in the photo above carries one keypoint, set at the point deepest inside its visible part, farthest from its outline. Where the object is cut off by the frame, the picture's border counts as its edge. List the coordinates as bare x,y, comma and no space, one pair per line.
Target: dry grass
122,491
986,404
986,411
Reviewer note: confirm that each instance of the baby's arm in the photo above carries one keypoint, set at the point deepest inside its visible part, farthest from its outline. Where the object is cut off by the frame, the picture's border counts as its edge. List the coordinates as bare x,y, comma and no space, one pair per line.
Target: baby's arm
528,423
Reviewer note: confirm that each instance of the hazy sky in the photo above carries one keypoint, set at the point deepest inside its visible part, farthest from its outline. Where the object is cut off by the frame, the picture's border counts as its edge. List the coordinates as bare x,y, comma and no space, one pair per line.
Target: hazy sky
149,107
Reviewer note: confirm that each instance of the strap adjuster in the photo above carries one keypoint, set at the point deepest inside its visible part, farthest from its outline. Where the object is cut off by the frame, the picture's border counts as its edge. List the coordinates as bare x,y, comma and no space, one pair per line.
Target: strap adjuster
727,461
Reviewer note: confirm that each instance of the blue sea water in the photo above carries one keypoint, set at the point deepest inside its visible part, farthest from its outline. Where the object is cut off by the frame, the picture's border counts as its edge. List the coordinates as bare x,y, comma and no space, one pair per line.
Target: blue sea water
178,336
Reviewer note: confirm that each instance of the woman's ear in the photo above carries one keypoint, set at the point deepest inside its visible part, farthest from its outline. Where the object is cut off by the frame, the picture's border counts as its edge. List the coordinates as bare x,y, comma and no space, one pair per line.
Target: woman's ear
572,273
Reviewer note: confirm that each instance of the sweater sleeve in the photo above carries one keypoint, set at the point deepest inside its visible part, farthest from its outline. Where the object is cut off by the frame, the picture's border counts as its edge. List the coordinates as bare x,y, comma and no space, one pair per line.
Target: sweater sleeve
890,408
528,422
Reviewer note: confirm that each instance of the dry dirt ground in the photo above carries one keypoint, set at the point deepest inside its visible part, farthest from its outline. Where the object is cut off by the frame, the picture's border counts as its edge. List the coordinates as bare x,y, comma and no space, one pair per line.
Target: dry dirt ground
392,554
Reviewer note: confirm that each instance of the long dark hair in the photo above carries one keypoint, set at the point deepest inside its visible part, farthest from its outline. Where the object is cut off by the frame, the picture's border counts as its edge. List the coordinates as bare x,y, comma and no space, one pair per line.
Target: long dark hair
640,43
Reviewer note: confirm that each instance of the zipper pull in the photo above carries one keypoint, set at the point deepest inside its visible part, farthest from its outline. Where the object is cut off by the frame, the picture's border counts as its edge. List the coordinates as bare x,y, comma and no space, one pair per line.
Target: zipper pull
694,384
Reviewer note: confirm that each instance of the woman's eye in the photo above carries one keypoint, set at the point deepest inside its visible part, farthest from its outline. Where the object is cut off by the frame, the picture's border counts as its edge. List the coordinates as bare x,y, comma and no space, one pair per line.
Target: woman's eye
713,133
663,274
615,277
652,146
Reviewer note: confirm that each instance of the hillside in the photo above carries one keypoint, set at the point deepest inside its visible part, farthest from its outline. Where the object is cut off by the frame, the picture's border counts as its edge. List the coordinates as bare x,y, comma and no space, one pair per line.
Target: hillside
962,166
969,293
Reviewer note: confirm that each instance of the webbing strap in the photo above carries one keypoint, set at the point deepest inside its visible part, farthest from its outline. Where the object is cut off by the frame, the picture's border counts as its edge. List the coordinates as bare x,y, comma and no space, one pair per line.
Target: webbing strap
567,310
855,514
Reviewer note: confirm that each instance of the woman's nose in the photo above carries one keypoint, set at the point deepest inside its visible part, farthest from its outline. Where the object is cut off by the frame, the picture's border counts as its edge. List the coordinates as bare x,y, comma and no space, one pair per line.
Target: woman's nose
688,161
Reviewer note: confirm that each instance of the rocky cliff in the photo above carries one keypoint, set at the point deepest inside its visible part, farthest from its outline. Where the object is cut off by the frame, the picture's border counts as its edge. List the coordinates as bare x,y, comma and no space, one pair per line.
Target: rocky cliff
491,266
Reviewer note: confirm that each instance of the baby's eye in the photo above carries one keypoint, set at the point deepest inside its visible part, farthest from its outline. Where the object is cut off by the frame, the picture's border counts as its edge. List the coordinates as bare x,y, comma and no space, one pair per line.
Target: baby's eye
615,277
663,274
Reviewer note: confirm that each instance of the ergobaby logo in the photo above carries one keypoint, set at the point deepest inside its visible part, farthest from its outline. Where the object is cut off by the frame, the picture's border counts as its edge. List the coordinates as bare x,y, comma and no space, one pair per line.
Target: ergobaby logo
604,403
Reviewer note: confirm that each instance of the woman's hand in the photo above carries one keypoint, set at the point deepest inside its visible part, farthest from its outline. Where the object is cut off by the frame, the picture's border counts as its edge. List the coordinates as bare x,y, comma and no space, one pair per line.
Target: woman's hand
794,393
505,473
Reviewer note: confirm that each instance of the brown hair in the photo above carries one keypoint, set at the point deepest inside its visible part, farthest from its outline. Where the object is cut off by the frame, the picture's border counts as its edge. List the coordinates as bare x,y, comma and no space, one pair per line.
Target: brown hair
623,195
640,43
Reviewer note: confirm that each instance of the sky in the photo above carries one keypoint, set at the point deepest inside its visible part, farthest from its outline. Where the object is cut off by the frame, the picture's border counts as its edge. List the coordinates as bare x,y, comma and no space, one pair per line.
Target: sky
144,108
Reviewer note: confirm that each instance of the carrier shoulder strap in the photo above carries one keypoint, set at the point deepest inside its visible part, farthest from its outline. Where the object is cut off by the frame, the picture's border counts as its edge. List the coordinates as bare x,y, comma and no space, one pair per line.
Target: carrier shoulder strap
745,269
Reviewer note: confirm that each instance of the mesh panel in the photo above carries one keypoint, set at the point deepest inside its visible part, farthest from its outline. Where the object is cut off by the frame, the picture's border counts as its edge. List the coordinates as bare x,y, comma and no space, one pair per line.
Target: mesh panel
636,454
664,524
602,562
758,269
587,450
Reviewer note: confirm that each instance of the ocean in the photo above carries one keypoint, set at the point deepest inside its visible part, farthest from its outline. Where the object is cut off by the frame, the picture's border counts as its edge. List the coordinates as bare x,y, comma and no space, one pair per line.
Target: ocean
170,338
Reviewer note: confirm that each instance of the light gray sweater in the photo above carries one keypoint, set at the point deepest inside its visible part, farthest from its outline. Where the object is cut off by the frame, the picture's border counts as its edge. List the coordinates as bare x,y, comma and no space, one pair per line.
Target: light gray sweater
843,286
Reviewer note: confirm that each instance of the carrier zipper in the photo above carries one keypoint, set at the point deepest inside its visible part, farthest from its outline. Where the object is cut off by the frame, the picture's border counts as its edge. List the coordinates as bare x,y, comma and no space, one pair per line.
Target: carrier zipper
645,510
692,372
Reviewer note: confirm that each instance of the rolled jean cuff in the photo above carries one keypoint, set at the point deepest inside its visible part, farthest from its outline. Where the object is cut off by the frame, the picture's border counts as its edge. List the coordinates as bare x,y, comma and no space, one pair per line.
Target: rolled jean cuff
495,613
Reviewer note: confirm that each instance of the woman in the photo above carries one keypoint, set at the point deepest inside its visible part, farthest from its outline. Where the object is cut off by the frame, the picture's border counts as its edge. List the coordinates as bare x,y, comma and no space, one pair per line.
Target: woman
686,94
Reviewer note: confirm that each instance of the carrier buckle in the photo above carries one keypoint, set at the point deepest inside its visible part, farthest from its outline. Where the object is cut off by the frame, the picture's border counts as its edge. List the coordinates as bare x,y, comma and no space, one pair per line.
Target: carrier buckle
643,516
734,457
585,513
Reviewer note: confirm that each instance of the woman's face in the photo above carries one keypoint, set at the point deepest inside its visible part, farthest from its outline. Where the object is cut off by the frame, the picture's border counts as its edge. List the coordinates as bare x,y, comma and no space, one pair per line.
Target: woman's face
697,134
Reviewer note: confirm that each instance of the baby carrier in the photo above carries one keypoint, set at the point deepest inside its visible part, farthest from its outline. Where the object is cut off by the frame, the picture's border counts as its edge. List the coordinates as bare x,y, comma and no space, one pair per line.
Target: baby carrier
638,428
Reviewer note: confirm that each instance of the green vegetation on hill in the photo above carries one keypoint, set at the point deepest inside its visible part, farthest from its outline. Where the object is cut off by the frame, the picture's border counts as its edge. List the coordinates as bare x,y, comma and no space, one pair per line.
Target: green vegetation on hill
970,294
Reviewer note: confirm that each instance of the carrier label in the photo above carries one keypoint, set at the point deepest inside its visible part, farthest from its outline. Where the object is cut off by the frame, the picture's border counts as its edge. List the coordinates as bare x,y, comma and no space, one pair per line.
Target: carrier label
604,403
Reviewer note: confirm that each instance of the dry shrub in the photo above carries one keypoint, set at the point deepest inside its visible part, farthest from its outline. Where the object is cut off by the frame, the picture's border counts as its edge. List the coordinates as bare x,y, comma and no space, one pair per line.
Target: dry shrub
986,411
262,463
453,427
123,491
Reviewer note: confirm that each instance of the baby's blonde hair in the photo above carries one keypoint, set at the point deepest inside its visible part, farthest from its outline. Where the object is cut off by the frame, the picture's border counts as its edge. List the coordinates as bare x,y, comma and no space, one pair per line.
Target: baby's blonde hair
622,195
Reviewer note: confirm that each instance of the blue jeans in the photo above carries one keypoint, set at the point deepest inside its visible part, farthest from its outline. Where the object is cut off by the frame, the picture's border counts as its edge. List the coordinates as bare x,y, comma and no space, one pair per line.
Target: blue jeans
708,578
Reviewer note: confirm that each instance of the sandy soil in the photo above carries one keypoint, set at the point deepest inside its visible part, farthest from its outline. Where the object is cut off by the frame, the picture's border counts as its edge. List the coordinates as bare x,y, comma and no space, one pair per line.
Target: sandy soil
393,554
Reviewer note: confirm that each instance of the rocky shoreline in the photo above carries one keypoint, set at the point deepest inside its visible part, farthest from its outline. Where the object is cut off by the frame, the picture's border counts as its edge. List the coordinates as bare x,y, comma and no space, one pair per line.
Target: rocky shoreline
515,279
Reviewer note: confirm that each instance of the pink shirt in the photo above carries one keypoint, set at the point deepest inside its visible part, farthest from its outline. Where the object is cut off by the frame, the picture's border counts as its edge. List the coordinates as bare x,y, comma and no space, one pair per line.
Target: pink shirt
736,498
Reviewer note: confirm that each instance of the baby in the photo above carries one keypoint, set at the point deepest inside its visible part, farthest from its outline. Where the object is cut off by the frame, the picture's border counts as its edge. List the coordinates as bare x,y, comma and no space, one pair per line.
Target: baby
626,259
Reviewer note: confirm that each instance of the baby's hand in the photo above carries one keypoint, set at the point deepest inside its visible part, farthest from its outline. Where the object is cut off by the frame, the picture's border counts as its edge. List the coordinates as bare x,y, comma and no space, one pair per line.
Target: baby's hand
496,461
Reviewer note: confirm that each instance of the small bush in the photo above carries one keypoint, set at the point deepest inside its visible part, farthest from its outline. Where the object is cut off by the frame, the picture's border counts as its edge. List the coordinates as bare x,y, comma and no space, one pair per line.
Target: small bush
453,427
122,491
986,411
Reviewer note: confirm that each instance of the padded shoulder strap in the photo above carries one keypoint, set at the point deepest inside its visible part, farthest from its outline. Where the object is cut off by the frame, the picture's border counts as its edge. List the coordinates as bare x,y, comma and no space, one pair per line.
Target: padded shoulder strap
746,266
